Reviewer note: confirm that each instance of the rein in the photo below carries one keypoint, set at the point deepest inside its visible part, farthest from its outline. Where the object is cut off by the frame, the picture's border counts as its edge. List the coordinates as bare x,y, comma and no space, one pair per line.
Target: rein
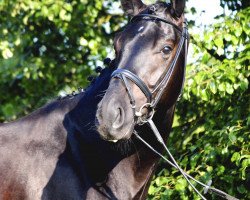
207,187
151,103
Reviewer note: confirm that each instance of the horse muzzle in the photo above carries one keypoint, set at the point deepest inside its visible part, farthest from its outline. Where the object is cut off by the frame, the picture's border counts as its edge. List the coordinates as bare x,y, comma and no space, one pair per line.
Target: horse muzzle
115,119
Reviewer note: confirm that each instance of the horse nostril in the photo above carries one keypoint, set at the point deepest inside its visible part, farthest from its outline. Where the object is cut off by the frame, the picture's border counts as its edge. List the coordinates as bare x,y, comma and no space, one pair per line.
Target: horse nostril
118,118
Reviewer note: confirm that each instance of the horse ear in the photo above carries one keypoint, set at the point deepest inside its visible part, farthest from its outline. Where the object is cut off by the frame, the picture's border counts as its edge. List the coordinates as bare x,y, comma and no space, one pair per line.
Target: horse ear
132,7
178,7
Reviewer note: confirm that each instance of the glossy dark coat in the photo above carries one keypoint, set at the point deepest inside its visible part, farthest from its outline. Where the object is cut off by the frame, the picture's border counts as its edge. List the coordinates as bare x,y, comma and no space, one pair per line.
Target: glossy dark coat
56,152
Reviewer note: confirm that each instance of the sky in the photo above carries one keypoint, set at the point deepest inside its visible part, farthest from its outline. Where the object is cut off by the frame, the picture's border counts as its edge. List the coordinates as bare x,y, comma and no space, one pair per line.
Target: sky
211,9
206,11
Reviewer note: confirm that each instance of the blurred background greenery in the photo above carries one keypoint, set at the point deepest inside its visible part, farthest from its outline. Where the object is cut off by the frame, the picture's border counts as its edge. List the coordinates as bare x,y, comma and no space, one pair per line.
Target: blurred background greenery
49,47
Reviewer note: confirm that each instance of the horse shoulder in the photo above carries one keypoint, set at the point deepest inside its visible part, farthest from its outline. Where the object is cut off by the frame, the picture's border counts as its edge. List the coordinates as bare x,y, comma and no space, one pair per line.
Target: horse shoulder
29,151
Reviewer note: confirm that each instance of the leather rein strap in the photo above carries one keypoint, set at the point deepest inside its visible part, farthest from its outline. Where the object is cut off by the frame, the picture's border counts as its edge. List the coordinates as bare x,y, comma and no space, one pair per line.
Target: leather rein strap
125,74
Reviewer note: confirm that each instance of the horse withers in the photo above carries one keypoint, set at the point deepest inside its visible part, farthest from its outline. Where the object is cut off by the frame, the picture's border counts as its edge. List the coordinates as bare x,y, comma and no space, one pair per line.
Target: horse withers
83,147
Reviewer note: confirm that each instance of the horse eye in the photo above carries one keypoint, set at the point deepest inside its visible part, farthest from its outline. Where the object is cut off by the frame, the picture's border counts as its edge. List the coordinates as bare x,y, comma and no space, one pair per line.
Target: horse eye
166,50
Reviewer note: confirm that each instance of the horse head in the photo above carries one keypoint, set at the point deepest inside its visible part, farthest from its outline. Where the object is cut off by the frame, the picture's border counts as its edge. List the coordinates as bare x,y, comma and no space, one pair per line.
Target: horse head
150,64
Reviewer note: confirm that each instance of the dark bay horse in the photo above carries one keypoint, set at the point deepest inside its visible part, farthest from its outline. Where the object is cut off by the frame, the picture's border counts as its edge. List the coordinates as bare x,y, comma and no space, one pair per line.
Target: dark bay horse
83,147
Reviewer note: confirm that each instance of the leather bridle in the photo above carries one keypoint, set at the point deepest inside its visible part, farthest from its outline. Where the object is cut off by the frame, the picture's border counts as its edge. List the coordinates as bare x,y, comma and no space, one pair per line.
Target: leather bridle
151,104
158,91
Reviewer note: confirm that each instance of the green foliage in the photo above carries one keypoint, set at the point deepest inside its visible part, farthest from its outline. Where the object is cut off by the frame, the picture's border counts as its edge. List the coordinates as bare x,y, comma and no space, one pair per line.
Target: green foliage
213,116
49,46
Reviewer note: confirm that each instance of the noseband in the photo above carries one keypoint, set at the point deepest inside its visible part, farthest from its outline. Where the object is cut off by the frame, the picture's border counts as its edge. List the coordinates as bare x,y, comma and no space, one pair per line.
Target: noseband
125,74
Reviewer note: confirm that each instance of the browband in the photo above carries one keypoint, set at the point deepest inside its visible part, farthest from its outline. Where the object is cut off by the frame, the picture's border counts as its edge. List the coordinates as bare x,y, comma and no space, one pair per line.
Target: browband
149,16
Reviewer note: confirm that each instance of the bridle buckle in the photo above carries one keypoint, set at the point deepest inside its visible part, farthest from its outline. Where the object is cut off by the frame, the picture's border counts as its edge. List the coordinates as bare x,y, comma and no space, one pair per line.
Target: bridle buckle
144,118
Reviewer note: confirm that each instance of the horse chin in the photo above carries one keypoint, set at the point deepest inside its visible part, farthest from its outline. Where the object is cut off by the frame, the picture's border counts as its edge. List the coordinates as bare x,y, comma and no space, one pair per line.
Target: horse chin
108,134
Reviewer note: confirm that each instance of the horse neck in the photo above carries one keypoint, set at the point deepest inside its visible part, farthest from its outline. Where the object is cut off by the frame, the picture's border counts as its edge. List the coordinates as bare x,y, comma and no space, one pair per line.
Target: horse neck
47,117
141,165
136,165
82,116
